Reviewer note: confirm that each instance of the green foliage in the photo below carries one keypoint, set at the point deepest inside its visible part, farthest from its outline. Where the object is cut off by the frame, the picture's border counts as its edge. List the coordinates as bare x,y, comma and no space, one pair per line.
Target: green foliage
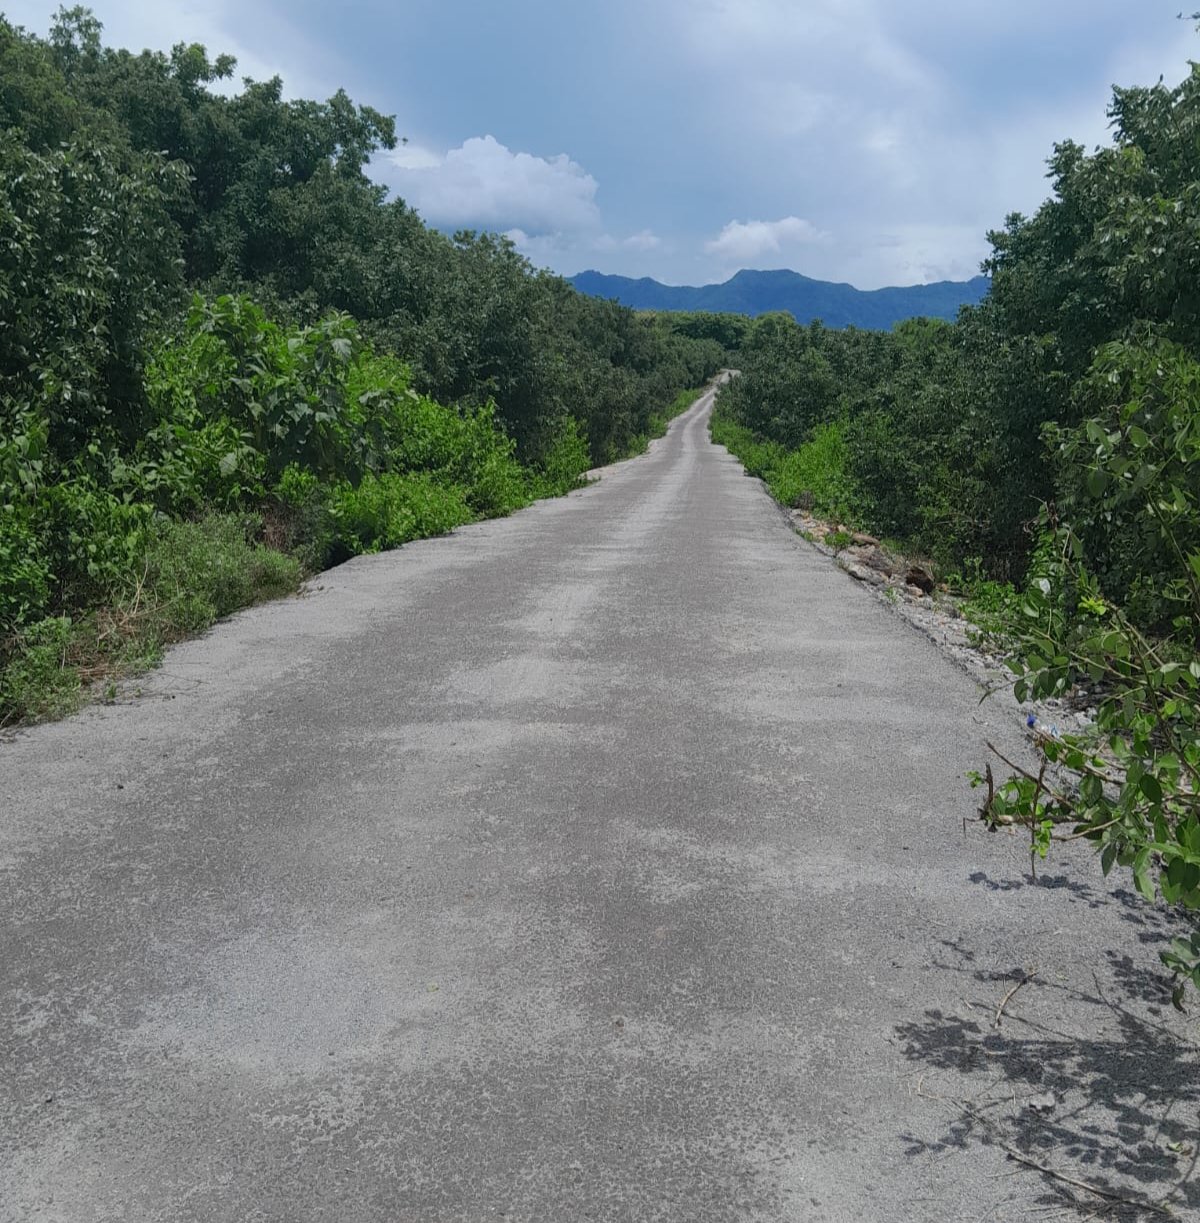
38,683
300,521
727,330
818,470
185,464
992,607
905,455
93,537
193,573
758,457
87,258
25,574
1132,784
388,510
1130,479
564,462
814,476
283,390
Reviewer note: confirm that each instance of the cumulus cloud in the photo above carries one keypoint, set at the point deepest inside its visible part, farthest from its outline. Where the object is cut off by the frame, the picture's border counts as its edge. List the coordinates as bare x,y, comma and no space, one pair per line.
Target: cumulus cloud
741,241
906,254
482,184
409,156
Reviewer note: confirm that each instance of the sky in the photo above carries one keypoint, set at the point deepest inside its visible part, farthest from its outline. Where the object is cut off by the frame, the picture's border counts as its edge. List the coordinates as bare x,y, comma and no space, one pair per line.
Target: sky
868,141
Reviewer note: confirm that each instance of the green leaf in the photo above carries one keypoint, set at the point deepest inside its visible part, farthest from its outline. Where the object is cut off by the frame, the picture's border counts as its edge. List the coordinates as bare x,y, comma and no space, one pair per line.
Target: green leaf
1097,481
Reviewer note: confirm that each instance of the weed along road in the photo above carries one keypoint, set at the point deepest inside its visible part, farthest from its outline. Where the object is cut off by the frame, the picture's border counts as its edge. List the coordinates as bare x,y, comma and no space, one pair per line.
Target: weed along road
603,862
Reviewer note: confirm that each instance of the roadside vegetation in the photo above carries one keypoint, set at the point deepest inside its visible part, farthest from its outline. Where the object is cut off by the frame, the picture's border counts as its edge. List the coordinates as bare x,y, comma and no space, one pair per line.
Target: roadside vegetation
227,359
1044,451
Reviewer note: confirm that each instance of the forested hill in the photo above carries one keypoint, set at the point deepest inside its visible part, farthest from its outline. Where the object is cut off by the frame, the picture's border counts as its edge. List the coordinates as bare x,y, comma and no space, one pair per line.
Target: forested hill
753,293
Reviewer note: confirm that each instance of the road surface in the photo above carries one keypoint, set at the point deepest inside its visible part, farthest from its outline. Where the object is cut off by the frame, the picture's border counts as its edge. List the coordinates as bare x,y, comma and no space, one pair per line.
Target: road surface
601,863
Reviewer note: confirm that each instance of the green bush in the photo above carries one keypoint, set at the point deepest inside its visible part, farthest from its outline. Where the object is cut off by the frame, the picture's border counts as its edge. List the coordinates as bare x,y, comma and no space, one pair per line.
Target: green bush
388,510
188,464
756,456
24,571
195,572
283,388
992,607
38,682
301,521
816,473
96,537
818,468
565,460
498,486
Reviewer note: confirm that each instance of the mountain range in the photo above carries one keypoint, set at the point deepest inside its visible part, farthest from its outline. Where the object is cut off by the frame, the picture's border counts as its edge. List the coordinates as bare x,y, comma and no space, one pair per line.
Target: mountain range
753,292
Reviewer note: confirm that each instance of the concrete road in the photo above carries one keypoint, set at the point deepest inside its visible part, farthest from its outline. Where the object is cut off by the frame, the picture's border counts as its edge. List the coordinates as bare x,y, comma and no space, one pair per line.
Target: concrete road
601,863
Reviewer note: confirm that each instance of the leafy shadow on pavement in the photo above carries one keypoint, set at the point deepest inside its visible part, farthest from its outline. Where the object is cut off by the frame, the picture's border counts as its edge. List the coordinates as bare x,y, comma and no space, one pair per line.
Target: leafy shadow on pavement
1092,1081
1078,891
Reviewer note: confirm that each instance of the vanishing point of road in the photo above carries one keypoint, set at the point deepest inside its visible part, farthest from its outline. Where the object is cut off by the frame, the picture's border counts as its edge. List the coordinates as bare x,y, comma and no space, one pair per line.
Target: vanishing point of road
605,862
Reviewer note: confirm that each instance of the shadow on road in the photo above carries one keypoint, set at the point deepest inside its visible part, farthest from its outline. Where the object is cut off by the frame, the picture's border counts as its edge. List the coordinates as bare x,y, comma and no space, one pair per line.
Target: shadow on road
1084,1079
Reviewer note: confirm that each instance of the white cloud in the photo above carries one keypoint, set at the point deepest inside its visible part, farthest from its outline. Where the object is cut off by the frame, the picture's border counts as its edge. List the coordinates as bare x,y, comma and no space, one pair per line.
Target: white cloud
409,156
906,254
542,250
484,185
741,241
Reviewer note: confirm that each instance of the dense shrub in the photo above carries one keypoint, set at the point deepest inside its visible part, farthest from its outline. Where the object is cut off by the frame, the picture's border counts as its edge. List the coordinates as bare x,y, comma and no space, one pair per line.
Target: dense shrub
814,476
38,682
563,463
388,510
192,573
24,570
93,537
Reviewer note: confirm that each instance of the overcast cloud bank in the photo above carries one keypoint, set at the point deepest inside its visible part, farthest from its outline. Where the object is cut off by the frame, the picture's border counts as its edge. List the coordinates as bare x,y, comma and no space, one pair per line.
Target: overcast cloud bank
853,140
